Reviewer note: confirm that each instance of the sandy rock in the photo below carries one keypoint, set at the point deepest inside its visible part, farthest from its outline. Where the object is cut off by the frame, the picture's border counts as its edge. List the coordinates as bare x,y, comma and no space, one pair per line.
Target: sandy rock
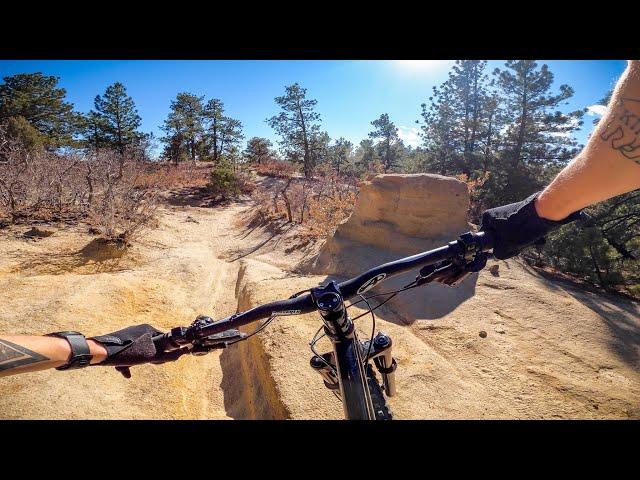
396,216
36,232
406,213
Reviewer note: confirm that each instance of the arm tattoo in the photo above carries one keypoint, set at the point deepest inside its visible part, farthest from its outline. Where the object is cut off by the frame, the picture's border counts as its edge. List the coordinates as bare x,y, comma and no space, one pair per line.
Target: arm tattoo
623,131
13,356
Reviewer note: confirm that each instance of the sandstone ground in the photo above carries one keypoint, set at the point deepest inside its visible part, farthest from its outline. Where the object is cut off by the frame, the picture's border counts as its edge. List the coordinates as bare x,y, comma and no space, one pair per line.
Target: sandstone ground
552,349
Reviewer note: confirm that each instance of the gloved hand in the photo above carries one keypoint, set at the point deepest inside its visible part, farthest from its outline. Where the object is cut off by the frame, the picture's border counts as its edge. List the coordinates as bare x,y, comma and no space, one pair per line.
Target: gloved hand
134,346
517,225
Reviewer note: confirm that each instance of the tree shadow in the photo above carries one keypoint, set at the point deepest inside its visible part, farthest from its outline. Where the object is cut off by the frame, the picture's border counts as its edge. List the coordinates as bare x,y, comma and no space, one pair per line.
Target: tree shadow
194,197
426,302
620,315
98,256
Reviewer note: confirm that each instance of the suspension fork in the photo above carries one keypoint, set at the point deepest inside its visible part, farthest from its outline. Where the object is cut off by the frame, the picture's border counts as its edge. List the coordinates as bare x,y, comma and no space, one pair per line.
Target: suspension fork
347,350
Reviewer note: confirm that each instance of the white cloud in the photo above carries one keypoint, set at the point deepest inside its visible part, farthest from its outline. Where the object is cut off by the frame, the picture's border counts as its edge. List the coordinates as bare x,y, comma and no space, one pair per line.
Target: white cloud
409,135
596,110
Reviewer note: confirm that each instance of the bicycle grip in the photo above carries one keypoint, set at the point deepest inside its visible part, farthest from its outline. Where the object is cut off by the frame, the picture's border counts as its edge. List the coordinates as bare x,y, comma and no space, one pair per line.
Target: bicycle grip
486,240
167,342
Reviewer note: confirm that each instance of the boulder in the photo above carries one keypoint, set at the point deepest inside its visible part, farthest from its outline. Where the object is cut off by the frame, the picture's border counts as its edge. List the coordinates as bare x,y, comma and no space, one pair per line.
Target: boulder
396,216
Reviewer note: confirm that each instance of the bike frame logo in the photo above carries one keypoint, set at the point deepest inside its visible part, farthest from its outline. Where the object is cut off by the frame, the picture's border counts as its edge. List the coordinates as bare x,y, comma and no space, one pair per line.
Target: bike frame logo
371,283
286,312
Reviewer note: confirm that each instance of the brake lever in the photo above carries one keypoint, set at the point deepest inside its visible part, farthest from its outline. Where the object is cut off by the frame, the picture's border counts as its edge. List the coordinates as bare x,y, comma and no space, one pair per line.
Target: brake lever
451,274
217,340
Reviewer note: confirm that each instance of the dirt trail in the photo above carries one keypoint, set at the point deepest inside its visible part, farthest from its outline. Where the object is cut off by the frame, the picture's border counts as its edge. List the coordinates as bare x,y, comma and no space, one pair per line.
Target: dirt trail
172,275
552,350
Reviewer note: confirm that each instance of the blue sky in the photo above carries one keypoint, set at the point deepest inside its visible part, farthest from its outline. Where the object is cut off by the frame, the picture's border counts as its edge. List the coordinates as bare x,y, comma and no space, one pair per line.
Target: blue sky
350,94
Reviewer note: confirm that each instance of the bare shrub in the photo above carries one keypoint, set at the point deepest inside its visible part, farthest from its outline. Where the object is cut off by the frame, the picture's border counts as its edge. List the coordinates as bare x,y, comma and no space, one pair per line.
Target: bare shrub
183,175
330,202
36,184
116,194
475,207
319,205
276,168
123,193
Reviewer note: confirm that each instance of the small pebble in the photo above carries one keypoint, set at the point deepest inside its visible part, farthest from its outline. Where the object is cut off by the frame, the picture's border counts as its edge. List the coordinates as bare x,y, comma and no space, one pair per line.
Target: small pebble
483,334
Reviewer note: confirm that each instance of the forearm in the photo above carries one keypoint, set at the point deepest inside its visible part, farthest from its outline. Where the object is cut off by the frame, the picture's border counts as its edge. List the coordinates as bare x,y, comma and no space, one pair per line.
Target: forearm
610,163
28,353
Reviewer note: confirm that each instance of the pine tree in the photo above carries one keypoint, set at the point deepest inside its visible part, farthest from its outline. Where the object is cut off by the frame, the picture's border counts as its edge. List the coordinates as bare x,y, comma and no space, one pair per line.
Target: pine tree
438,131
365,155
258,150
19,129
94,130
37,98
340,155
116,115
319,148
387,132
184,127
538,140
214,116
458,121
298,127
231,136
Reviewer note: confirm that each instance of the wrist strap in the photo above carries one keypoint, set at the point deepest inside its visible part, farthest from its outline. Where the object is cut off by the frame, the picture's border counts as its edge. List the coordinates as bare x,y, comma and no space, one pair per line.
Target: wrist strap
80,352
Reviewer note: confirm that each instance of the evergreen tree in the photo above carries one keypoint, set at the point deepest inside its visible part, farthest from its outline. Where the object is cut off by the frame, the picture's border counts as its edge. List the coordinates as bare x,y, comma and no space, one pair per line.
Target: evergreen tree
184,127
298,127
387,132
319,148
365,156
258,150
115,121
94,130
214,116
231,136
460,119
19,129
38,100
340,155
538,140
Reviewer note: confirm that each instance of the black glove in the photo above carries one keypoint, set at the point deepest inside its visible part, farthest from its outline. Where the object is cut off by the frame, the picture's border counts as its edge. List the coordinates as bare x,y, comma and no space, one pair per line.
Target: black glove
134,346
517,225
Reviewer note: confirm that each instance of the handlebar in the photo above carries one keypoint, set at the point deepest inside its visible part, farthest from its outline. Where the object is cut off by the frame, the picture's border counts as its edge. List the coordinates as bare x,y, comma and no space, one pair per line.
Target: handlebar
466,248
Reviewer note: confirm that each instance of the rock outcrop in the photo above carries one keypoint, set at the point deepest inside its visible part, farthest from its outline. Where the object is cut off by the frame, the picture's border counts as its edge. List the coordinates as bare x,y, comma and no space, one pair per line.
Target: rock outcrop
396,216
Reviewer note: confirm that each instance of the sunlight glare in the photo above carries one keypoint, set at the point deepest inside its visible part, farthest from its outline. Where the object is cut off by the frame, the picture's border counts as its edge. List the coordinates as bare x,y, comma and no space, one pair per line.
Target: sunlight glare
423,65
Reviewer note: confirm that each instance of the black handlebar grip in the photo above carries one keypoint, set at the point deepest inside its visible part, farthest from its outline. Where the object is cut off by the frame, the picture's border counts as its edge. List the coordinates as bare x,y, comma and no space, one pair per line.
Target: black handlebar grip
486,239
161,342
170,341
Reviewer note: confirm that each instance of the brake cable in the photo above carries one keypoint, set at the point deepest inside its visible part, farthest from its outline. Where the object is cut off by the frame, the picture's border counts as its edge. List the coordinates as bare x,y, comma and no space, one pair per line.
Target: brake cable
373,328
392,293
312,344
260,328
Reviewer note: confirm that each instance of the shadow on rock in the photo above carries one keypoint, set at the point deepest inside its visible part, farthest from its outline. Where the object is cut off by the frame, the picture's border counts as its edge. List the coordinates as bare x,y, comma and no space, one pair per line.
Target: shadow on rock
98,256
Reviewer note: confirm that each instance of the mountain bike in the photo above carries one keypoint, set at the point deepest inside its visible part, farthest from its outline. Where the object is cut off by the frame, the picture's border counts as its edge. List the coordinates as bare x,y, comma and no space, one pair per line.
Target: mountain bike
347,370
